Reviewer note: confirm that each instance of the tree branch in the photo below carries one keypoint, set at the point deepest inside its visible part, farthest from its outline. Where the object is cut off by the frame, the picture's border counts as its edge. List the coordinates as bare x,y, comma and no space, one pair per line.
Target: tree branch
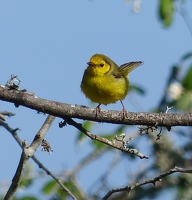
15,135
59,181
81,112
104,140
152,180
28,151
5,113
17,177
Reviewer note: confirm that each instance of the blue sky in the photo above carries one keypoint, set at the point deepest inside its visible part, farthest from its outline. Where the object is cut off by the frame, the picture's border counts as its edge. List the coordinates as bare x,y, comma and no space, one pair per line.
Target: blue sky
47,45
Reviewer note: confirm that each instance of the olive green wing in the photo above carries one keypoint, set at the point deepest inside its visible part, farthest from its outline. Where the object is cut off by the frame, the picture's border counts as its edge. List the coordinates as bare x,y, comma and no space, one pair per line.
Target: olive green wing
116,71
128,67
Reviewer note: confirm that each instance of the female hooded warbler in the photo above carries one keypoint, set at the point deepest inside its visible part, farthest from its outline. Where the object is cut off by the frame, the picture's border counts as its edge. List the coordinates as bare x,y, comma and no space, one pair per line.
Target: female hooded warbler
104,82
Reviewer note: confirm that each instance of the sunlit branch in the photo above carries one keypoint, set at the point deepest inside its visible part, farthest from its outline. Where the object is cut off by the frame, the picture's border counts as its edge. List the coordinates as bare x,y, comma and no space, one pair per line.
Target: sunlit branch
20,98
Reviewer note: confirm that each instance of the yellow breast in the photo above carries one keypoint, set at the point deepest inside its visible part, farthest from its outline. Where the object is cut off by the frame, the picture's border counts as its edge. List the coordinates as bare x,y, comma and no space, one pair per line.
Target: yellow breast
104,88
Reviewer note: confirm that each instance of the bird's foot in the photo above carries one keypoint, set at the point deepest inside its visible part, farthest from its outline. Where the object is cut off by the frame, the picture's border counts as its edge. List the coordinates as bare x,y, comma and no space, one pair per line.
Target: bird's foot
124,113
97,110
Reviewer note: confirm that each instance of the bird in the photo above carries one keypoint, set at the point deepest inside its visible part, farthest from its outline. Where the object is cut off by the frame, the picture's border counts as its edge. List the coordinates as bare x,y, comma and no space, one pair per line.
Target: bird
104,82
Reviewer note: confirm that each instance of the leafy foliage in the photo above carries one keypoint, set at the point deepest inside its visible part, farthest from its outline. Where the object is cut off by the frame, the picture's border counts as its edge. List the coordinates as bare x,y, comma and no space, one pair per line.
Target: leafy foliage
187,80
166,12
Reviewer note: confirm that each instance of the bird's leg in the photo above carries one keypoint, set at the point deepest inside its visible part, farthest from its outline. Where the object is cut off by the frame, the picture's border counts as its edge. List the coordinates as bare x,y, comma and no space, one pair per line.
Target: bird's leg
124,111
97,110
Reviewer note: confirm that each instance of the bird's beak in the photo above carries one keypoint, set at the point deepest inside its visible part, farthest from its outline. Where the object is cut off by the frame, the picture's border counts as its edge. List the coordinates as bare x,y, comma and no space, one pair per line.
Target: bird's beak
91,64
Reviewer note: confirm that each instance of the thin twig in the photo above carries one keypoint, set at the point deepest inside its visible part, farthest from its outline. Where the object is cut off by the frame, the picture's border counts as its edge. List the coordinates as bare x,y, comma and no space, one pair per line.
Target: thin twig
6,113
103,178
104,140
88,159
59,181
186,17
151,180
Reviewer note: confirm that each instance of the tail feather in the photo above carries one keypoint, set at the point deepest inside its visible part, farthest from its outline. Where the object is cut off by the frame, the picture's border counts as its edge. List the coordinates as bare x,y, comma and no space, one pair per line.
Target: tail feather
128,67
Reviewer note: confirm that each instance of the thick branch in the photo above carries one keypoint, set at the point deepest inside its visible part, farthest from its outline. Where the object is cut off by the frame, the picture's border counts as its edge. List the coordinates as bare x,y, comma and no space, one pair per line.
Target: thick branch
81,112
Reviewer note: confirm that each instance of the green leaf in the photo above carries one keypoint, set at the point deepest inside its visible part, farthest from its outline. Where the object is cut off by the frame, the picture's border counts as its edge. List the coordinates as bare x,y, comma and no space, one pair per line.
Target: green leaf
137,89
119,130
27,174
99,145
186,56
187,81
53,188
73,188
88,125
49,187
166,11
28,198
184,103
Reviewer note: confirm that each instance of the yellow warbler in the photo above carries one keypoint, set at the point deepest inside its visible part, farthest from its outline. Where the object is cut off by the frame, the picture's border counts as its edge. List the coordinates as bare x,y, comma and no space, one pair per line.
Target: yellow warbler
104,82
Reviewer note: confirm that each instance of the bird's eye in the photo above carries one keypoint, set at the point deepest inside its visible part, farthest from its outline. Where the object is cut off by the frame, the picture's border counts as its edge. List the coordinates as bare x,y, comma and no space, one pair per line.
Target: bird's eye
101,65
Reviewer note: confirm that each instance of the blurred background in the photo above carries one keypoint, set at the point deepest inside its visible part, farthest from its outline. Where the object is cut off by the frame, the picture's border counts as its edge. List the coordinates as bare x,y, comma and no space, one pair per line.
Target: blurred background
47,45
